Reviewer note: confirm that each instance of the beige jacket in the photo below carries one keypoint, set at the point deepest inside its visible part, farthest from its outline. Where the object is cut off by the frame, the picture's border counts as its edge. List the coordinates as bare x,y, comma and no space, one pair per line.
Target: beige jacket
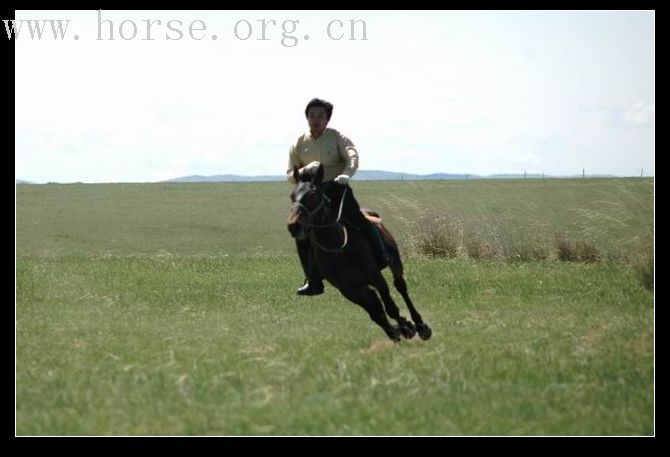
335,151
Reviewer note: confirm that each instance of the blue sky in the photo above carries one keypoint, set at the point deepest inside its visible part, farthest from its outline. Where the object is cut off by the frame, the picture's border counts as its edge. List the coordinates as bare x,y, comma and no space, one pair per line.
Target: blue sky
430,91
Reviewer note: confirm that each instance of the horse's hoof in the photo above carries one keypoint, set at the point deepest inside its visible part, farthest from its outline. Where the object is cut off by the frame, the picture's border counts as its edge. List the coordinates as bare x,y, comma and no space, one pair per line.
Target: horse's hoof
395,334
407,329
424,331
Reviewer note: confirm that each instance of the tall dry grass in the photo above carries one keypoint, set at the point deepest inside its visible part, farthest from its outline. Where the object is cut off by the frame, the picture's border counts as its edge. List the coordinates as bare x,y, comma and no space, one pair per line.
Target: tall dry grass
576,250
448,237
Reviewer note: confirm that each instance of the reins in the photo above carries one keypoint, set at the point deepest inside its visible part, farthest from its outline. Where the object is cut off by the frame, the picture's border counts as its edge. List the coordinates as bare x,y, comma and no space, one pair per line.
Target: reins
313,227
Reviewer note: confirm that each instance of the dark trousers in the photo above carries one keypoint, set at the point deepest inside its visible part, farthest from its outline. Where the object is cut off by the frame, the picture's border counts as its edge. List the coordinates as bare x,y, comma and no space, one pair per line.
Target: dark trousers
307,260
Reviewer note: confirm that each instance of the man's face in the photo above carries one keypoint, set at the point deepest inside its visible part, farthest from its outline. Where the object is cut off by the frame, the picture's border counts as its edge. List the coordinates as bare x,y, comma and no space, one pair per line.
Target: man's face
317,119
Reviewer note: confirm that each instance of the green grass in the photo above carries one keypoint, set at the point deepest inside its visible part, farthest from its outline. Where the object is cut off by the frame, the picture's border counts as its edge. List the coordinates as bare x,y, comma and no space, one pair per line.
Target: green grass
127,219
250,218
196,330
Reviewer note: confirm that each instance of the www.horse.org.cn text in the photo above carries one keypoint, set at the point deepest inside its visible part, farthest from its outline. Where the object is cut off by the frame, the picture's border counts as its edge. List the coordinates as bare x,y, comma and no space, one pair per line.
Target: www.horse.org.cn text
287,32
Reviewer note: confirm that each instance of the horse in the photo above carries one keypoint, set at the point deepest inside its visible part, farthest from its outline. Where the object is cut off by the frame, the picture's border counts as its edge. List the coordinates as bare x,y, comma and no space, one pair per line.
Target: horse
345,258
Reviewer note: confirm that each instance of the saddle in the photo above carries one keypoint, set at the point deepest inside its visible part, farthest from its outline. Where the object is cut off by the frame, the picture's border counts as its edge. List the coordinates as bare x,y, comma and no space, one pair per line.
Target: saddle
372,216
376,221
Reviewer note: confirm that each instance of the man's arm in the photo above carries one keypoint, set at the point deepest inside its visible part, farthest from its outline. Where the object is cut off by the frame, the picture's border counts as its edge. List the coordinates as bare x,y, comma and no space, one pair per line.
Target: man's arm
293,161
348,153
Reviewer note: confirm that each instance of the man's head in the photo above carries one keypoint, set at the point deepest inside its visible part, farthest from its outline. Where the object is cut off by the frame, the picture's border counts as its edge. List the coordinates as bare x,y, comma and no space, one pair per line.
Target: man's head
318,114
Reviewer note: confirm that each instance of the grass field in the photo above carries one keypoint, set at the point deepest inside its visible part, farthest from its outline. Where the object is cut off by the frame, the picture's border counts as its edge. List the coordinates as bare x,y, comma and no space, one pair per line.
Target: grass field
169,309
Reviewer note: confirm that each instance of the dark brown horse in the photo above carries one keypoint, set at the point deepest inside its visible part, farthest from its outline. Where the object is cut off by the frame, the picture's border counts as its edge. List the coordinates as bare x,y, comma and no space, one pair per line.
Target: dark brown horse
346,260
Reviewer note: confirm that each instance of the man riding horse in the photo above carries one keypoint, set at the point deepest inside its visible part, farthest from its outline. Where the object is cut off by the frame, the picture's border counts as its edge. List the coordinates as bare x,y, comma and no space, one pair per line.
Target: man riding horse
339,157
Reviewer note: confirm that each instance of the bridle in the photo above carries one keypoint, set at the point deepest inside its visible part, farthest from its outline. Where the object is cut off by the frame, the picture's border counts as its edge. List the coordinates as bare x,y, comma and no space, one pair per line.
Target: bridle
311,227
311,213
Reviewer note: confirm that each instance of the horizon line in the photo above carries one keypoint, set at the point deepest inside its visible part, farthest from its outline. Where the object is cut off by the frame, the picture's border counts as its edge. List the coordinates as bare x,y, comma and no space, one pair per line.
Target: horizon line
279,177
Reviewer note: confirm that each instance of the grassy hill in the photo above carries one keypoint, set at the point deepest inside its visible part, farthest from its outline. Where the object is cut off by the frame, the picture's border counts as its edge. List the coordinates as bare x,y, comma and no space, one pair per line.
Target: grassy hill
249,218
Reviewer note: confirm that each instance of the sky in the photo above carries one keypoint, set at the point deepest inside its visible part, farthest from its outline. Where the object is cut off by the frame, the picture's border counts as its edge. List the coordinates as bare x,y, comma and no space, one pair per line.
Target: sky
479,92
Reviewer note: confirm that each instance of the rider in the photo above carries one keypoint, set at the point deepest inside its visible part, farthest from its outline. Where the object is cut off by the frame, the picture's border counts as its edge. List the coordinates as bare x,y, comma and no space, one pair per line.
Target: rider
338,155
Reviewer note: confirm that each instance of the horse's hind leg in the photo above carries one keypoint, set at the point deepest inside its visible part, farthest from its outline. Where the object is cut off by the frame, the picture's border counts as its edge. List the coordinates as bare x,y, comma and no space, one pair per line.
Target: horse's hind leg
396,267
368,300
406,327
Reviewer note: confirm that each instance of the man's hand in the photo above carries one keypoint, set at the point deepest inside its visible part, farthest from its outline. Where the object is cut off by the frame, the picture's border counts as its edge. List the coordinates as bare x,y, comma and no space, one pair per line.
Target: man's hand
342,179
310,167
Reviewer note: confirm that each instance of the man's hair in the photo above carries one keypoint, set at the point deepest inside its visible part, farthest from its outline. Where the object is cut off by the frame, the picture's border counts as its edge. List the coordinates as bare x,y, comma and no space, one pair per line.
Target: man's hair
317,102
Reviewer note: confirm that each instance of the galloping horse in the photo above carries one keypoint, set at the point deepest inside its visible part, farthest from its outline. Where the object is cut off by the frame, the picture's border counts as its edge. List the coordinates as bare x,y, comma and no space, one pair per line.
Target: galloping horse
346,260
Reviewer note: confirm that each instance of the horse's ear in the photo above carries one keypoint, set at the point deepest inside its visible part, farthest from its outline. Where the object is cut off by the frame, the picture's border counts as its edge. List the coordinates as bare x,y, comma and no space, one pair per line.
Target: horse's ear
318,176
296,174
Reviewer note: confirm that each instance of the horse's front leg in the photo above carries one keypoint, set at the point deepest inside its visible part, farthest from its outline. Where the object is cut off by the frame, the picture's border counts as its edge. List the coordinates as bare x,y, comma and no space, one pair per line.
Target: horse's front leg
368,300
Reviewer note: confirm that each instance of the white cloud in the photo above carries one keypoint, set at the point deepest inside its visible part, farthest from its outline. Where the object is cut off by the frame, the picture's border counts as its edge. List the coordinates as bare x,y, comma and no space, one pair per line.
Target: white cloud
640,113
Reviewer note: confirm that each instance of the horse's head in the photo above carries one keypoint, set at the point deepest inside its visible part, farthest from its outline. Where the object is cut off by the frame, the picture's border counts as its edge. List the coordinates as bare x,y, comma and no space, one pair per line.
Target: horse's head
308,200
